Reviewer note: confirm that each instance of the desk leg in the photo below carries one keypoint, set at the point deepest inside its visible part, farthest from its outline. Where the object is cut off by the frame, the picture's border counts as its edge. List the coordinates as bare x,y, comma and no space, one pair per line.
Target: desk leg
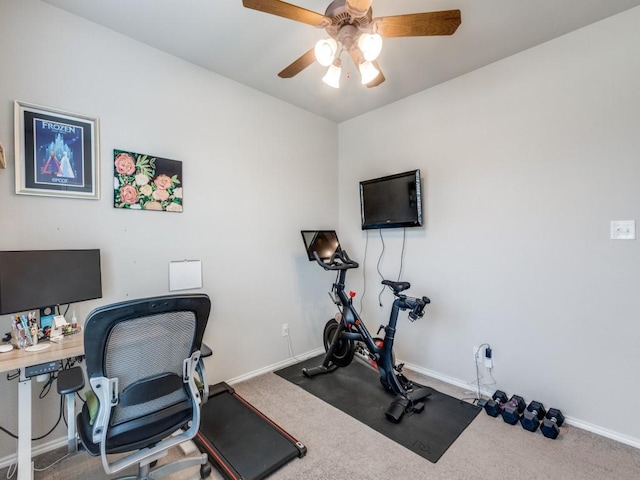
25,469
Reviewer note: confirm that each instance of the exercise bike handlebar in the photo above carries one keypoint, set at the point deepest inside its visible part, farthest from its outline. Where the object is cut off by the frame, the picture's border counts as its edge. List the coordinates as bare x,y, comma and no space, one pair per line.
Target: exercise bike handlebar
338,261
417,306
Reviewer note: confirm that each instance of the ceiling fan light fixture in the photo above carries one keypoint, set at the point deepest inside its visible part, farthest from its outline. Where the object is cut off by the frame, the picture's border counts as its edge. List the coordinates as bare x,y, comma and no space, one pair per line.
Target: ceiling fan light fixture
332,77
368,72
370,45
325,51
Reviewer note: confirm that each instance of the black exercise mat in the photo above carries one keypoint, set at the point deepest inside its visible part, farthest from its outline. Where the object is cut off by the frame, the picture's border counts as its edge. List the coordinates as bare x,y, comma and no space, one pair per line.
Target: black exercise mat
356,390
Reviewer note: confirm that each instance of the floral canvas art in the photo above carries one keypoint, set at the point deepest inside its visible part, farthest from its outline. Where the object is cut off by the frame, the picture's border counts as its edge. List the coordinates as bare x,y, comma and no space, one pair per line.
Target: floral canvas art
145,182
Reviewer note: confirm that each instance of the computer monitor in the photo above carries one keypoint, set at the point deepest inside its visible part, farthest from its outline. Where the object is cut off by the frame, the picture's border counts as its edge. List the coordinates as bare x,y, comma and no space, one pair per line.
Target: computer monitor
325,242
39,279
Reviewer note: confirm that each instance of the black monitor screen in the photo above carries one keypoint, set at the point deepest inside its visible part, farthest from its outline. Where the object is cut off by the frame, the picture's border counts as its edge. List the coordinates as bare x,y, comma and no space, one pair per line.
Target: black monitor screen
34,279
325,242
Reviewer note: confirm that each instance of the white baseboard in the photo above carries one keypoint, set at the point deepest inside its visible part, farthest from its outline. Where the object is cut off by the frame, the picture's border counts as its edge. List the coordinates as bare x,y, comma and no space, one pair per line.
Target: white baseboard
625,439
276,366
576,422
35,451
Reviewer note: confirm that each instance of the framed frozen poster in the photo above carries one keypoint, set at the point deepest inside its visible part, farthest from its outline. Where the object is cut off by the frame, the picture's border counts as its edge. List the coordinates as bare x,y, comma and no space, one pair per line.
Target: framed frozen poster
57,152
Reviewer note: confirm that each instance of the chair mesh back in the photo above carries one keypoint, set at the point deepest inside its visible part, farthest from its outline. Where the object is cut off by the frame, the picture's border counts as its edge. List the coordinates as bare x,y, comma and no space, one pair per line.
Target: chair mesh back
168,342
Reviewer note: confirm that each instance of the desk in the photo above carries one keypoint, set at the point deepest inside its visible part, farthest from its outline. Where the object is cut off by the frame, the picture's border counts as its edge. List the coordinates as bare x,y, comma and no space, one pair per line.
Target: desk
71,346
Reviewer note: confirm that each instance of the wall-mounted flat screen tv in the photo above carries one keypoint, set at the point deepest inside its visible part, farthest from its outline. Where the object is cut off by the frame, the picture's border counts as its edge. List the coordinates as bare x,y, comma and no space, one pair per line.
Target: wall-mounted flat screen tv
38,279
391,201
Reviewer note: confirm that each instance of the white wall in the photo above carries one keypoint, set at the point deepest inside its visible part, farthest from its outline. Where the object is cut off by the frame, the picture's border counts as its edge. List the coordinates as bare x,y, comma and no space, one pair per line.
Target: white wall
525,163
254,170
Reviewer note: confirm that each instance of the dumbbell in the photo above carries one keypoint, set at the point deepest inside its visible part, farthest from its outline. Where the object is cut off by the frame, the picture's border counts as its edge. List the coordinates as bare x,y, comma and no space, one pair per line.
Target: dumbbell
552,422
492,407
534,412
512,410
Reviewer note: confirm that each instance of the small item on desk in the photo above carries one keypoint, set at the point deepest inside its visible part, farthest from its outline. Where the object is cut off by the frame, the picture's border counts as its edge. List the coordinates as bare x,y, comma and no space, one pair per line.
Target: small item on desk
6,347
58,328
37,347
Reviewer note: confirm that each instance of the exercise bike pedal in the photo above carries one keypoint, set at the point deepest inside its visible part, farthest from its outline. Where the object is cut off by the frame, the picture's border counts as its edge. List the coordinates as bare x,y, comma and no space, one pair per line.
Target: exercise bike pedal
398,368
417,407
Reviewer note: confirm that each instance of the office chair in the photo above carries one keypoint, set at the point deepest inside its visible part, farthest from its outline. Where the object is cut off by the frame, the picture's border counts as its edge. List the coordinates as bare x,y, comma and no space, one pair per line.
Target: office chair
141,358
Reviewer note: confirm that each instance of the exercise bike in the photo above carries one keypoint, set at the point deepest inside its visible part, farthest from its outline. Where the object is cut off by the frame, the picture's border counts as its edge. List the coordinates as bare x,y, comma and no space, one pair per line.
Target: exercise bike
346,335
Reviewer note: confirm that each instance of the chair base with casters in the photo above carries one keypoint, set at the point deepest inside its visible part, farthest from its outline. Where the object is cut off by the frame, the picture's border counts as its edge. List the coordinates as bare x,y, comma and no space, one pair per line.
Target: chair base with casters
146,398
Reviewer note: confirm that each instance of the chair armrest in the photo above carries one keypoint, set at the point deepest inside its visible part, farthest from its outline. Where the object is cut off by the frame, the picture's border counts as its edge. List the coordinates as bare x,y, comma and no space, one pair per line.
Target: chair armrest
70,380
205,351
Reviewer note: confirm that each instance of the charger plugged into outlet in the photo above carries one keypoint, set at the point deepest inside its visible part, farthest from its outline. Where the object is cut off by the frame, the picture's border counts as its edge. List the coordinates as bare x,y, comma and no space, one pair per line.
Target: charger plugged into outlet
483,353
488,358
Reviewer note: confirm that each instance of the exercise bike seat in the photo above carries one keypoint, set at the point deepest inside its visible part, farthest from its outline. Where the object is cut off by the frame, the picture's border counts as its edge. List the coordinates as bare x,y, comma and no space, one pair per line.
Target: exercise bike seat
397,287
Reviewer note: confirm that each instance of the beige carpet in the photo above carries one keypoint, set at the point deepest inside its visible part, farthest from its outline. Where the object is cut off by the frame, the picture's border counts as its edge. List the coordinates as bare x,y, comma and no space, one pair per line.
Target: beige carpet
340,447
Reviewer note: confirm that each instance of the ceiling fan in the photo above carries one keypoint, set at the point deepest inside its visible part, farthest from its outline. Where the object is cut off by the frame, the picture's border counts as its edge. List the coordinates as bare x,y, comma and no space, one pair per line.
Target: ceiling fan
353,29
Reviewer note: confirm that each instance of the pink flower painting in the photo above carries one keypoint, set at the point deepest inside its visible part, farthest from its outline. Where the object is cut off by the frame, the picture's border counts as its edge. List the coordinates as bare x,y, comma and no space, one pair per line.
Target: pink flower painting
145,182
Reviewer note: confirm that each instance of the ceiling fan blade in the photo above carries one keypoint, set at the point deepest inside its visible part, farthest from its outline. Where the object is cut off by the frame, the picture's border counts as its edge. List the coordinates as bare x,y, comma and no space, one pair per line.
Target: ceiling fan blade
358,6
300,64
419,24
286,10
379,79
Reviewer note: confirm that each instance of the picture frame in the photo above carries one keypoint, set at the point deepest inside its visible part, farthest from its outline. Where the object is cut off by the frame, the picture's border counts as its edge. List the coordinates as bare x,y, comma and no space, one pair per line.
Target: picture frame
57,153
147,182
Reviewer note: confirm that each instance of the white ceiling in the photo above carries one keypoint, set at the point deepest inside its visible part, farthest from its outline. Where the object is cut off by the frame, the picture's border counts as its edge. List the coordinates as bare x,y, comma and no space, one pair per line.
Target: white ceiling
251,47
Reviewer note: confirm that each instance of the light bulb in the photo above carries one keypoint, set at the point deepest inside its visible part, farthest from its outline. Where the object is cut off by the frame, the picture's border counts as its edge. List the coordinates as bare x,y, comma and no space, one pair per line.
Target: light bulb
368,72
325,51
332,77
370,46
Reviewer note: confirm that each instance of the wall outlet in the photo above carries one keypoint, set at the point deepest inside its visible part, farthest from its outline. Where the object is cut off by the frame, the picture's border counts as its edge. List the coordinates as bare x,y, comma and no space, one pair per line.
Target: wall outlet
285,329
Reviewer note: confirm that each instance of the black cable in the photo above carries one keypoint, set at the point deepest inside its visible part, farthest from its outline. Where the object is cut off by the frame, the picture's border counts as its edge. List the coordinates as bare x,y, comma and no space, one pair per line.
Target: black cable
364,277
13,435
378,266
57,422
404,241
46,388
8,432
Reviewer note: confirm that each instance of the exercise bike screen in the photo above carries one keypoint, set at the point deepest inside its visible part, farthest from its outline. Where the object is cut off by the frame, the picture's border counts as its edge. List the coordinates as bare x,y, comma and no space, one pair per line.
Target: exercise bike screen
325,242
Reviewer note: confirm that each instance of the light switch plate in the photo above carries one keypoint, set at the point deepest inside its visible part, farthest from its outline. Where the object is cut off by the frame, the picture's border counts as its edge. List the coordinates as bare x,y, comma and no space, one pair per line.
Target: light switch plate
623,230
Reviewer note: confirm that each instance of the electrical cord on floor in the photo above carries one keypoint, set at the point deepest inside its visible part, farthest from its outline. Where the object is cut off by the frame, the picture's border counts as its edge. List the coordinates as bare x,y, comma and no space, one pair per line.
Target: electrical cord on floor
42,469
11,471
